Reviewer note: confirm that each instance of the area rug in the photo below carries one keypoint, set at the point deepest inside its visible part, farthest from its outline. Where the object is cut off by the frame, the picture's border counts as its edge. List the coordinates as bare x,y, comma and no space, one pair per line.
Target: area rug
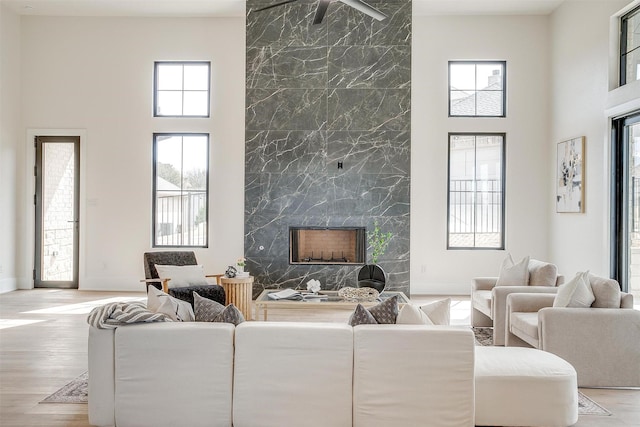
586,406
484,336
74,392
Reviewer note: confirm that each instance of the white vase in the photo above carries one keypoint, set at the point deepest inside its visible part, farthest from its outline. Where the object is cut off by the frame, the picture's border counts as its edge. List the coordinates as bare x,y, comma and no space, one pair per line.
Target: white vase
240,268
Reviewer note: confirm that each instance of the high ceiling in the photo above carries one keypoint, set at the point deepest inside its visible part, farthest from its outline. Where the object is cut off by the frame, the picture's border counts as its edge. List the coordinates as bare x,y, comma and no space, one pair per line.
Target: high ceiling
196,8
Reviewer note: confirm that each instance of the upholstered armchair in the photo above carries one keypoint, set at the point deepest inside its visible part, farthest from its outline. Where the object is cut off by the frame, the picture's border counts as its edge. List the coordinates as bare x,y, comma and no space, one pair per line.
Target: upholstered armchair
488,301
183,290
602,344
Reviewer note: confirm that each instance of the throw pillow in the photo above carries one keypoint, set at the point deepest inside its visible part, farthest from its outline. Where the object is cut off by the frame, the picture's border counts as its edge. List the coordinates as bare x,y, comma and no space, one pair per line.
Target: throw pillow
606,292
177,310
542,273
512,274
385,313
575,293
230,314
361,316
182,275
412,315
207,310
439,312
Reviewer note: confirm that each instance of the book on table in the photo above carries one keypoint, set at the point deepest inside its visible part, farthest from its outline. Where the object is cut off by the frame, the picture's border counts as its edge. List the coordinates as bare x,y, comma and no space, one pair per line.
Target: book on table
293,295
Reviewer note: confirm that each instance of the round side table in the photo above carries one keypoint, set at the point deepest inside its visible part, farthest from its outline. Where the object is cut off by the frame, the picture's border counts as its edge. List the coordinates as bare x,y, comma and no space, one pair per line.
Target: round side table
239,292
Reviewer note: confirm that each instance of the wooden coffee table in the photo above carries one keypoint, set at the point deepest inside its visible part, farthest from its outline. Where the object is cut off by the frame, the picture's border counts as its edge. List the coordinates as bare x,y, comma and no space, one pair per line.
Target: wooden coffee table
264,303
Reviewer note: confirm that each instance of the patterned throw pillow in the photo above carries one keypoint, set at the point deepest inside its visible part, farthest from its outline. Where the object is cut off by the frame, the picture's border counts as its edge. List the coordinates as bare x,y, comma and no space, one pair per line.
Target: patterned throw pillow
361,316
207,310
386,312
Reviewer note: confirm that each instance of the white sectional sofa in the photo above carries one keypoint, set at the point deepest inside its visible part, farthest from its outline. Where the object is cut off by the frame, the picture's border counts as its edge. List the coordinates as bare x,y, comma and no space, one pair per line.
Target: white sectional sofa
262,374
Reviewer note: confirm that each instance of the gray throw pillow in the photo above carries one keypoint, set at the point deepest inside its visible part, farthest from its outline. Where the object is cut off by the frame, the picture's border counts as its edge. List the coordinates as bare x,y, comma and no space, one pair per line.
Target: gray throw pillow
385,313
361,316
206,310
230,314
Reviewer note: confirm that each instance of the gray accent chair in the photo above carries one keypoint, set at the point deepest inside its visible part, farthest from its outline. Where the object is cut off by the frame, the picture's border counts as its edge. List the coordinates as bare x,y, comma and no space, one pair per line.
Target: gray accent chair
602,344
179,258
488,301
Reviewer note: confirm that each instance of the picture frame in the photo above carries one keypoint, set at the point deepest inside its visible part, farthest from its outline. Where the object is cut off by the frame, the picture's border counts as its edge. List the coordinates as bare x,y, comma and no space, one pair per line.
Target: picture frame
570,176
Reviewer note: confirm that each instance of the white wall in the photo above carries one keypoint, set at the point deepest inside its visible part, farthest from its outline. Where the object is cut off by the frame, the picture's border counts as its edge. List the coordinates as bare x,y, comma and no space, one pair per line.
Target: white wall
580,83
96,75
523,42
11,138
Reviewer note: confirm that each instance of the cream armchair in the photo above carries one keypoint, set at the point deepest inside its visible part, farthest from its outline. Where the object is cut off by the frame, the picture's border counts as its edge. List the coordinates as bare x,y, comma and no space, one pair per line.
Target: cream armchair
602,344
488,301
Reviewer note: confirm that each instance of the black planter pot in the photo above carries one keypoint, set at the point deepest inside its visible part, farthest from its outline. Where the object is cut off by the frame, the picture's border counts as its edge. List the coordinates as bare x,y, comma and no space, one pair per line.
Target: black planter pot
372,276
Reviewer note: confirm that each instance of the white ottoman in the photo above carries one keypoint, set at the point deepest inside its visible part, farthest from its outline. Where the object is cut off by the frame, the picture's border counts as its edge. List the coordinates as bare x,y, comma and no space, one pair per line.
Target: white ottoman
517,386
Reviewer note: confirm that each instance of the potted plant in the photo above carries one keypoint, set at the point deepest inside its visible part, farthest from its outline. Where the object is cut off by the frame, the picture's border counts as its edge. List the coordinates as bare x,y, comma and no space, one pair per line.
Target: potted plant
372,275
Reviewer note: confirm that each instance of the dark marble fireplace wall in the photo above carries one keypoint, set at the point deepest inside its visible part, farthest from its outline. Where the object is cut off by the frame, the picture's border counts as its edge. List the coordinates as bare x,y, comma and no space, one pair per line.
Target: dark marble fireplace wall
328,127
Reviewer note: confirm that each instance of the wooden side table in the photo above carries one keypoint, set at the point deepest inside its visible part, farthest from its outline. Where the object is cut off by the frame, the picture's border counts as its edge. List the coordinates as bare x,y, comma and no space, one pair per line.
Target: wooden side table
239,291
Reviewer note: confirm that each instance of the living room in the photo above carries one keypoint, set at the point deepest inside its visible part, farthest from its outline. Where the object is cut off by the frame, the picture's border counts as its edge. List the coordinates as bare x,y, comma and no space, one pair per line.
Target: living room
92,76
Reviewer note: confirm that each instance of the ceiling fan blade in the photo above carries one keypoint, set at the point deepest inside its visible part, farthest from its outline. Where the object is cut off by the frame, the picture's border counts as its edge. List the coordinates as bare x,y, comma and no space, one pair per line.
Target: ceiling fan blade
320,11
366,9
275,5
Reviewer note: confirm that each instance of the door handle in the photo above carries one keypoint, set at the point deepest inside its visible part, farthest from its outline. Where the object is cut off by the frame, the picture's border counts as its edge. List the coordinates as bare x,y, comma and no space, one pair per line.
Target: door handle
76,221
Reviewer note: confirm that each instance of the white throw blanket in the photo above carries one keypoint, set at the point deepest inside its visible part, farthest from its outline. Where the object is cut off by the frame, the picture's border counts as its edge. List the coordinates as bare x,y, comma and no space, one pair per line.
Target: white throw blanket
110,316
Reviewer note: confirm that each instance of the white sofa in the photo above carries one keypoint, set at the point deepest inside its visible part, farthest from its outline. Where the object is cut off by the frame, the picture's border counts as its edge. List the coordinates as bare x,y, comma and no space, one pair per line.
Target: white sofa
280,374
488,301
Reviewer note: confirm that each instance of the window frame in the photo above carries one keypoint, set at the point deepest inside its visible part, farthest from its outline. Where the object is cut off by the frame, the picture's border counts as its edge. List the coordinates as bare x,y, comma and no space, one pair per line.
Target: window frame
502,211
156,64
476,63
154,243
624,19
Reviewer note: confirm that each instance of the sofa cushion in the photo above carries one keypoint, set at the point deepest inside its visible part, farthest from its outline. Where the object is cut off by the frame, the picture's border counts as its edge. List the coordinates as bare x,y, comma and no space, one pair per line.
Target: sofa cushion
361,316
526,323
512,274
160,302
213,292
542,273
482,301
412,375
575,293
182,275
292,374
174,374
606,292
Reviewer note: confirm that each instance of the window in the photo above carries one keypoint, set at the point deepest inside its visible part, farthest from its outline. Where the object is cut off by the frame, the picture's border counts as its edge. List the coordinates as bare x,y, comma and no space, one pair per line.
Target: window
477,89
180,190
476,191
181,89
630,47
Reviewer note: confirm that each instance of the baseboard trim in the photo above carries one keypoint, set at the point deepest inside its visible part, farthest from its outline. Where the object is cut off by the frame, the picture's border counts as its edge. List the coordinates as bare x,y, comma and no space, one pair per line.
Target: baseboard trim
9,284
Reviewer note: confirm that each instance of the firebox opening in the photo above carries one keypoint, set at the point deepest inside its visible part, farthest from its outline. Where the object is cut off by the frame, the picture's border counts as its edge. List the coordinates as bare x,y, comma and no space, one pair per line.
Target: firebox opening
327,245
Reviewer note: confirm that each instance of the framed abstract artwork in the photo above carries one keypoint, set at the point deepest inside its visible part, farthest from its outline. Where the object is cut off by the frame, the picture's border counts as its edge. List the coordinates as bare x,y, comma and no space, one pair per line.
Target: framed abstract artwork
570,176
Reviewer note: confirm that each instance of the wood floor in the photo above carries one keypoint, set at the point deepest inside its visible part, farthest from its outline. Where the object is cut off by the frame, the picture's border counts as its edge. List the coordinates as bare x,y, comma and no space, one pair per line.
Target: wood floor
38,358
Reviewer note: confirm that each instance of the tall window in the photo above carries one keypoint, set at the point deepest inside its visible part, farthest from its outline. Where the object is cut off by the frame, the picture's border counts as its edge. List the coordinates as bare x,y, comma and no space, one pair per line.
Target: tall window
477,88
181,89
630,47
181,190
476,191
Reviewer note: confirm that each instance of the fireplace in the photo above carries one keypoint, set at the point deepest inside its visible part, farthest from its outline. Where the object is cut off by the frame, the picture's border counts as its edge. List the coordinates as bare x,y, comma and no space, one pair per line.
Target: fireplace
327,245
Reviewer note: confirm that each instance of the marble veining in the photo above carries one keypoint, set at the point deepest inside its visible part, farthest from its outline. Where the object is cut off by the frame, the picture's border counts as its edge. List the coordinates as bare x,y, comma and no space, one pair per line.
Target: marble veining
369,67
327,135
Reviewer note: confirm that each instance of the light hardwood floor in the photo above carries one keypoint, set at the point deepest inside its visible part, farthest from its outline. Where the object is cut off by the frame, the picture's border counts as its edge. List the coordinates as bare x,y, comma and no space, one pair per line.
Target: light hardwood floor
38,358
